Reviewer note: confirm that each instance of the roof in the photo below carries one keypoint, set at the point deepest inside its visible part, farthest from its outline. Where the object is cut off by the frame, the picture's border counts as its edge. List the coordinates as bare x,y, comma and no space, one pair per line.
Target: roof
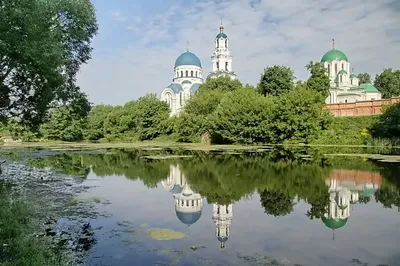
334,223
353,75
368,87
176,189
195,87
334,55
175,87
367,192
188,218
186,82
341,72
188,59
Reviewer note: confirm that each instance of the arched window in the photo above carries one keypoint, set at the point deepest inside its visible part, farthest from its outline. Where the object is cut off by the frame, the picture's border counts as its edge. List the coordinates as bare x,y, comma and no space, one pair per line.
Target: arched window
342,66
168,97
329,69
217,65
196,74
217,43
181,74
336,69
191,73
226,43
345,101
226,66
180,98
341,78
187,73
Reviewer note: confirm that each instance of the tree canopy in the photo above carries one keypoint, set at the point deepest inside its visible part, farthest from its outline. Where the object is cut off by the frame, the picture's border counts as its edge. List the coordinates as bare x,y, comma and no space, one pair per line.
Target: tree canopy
364,78
276,80
388,83
42,46
319,80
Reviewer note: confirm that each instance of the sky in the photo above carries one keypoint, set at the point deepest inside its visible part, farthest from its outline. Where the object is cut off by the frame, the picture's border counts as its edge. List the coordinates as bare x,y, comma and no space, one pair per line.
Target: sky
139,40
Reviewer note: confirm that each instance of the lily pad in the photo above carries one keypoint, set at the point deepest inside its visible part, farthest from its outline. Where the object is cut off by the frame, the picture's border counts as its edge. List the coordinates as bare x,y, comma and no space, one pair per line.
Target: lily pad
164,234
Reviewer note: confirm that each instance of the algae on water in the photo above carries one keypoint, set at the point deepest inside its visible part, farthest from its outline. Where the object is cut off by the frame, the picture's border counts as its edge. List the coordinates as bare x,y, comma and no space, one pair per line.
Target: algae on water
164,234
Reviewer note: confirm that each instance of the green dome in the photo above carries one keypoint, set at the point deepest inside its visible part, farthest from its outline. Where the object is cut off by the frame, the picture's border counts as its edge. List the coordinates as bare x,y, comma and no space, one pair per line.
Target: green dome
334,55
334,223
368,87
341,72
188,218
353,75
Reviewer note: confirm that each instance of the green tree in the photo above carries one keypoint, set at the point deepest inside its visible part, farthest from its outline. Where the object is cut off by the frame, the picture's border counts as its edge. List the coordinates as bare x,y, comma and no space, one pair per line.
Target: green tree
298,117
364,78
95,128
276,80
210,94
388,83
319,80
149,116
242,117
42,45
388,124
63,125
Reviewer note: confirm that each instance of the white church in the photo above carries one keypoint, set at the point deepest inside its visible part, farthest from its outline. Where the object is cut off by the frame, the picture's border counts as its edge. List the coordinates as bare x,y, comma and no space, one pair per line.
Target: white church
345,87
188,73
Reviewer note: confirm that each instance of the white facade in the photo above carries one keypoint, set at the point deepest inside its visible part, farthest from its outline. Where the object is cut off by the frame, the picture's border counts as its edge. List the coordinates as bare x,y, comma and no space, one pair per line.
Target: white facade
222,216
345,87
221,58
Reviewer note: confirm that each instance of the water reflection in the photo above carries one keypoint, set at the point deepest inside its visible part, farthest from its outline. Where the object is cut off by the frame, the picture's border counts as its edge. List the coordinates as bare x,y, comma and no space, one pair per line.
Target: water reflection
284,204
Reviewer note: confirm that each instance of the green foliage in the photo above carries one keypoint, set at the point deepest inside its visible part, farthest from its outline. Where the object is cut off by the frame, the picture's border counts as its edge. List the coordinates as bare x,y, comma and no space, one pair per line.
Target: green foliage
63,125
276,80
243,117
189,127
388,125
388,83
298,117
364,78
276,203
95,128
42,45
348,131
319,80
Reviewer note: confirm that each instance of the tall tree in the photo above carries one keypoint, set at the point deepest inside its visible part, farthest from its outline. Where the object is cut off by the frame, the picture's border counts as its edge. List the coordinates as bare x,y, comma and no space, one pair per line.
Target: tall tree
364,78
319,80
276,80
388,83
42,45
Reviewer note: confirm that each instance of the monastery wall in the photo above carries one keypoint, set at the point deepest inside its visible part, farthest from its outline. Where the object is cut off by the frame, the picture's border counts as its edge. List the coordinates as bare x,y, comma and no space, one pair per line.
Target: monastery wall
360,108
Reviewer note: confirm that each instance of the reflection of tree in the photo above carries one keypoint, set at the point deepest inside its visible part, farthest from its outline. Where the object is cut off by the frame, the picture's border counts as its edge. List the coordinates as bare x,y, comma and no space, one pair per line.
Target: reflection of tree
276,203
388,196
364,199
66,163
319,204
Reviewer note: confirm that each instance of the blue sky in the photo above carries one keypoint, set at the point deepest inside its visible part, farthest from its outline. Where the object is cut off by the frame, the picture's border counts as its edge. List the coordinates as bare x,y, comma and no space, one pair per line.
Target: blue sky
138,41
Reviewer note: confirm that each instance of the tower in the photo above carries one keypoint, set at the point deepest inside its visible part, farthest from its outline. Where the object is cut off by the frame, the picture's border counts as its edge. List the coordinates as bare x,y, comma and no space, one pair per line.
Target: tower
221,58
222,216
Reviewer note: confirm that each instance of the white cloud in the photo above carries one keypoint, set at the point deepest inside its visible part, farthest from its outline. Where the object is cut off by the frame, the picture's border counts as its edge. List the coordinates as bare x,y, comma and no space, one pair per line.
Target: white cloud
262,33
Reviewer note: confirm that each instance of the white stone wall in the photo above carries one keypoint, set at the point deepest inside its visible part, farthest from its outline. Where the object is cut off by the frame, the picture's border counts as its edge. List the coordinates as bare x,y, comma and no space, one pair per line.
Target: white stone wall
181,71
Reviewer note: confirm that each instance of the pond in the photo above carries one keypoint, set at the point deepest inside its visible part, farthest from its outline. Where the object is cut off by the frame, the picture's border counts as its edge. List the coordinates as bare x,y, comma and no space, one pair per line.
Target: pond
276,207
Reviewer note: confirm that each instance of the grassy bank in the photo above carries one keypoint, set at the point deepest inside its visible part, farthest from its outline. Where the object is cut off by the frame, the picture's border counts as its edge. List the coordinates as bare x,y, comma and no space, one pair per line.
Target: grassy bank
19,243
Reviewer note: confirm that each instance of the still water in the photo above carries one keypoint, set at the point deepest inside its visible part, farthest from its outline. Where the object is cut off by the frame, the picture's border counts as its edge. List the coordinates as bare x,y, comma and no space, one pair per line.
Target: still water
278,208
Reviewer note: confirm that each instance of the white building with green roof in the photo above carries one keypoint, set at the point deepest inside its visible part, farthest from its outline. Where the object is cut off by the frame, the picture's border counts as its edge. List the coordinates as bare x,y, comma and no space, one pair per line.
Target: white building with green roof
345,87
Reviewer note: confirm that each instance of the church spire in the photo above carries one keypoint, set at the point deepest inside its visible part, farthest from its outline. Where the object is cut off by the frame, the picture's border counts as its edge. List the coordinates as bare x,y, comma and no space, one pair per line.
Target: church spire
187,46
221,28
333,43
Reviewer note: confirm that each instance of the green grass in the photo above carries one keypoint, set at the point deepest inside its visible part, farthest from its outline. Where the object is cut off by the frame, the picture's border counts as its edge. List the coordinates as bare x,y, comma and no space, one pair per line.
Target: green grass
19,245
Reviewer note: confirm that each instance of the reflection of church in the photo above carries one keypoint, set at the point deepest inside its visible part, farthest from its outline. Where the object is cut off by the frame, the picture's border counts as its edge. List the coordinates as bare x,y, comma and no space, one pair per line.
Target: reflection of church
345,188
189,205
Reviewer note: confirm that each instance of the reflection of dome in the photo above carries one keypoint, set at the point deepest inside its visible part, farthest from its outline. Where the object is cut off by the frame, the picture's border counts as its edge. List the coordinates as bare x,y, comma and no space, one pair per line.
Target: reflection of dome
176,189
222,239
367,192
188,218
187,58
334,55
334,223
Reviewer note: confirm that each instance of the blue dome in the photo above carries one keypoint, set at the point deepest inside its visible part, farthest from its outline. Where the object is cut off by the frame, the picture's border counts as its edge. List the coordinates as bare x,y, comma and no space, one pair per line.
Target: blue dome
188,59
175,87
188,218
222,35
195,87
176,189
186,82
